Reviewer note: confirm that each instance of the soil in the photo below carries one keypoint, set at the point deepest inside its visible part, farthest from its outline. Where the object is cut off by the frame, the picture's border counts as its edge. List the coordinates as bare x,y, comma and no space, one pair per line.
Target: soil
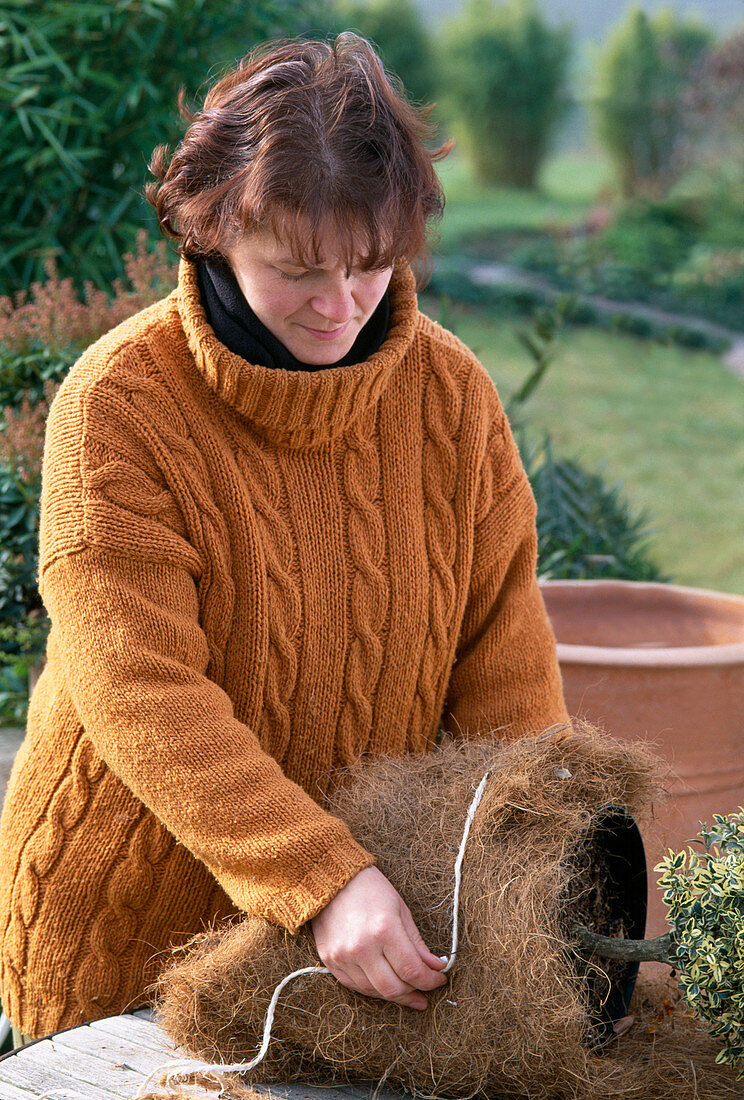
607,894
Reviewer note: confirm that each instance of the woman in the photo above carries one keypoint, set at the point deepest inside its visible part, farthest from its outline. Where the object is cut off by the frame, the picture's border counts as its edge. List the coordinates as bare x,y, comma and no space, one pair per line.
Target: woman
284,527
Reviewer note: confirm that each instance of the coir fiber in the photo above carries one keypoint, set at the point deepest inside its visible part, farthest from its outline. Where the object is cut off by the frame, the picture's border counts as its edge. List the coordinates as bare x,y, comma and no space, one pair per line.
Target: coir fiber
517,1017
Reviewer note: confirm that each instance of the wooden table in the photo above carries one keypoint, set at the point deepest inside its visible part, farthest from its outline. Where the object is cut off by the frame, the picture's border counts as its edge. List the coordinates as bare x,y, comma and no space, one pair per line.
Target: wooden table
110,1059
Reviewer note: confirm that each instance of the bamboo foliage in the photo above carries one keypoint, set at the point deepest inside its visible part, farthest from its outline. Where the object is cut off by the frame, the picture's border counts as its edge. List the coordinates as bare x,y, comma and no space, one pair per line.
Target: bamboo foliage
88,89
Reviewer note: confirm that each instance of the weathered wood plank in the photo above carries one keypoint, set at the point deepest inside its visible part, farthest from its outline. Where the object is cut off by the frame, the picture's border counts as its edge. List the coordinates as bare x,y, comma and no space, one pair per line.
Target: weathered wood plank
84,1069
41,1080
136,1030
290,1091
109,1060
12,1092
112,1049
58,1092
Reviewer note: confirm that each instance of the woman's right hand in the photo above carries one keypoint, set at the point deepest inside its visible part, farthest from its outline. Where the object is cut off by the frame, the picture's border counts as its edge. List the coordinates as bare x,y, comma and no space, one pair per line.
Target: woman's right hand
367,938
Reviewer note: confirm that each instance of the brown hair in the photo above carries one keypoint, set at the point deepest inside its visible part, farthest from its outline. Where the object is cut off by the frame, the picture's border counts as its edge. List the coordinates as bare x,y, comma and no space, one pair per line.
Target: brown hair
302,134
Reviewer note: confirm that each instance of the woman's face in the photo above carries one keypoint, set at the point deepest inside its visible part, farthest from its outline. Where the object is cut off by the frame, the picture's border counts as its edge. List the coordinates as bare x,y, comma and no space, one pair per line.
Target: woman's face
316,312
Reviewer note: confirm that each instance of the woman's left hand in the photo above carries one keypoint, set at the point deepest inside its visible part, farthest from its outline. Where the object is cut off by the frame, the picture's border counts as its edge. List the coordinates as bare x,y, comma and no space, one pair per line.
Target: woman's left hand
368,939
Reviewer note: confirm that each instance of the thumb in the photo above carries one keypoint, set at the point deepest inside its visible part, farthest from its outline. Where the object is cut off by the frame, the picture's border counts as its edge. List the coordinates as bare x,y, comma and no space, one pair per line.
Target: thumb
417,940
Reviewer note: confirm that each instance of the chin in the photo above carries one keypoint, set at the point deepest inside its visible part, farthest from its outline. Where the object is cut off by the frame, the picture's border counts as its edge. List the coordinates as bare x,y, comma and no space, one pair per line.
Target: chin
323,356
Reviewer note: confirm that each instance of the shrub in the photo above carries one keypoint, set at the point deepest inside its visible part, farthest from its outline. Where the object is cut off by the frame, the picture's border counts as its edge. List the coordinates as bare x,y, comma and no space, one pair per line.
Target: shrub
585,527
714,107
23,374
703,895
517,299
398,31
505,69
88,89
23,621
41,334
54,315
643,239
638,106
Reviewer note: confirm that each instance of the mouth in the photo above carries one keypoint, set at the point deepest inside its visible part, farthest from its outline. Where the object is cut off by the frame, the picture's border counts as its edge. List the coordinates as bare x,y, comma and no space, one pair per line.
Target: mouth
326,334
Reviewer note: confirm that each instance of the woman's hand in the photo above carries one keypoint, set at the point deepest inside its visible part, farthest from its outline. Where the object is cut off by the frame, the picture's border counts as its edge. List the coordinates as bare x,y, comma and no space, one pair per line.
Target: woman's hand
368,940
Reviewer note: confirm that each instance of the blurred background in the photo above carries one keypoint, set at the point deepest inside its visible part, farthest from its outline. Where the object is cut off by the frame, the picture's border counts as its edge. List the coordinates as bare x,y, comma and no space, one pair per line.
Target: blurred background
591,252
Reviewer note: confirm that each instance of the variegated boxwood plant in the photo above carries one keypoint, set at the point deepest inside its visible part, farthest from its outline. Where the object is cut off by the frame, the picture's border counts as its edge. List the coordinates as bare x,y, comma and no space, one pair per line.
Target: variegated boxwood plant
704,896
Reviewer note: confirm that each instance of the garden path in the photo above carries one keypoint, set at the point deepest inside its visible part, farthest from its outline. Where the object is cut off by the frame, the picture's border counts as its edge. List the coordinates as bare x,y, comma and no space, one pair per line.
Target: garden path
499,274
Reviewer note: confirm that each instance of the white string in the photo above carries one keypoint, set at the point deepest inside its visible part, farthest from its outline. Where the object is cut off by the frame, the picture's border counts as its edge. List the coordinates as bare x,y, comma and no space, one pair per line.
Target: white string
172,1070
458,872
169,1074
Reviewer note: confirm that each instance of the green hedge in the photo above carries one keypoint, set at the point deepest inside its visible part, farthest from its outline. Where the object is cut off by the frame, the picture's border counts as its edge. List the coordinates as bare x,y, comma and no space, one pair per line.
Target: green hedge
516,299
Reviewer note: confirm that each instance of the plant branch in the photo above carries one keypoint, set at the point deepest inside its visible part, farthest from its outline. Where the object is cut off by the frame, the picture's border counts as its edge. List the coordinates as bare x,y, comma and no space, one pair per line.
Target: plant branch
659,950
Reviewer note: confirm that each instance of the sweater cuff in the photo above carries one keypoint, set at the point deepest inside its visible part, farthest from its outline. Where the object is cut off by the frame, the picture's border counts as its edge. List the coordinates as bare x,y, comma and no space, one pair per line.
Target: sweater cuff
333,870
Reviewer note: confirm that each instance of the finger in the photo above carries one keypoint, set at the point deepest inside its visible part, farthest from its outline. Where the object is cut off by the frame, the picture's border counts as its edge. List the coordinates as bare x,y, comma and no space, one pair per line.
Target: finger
355,979
405,960
389,985
430,959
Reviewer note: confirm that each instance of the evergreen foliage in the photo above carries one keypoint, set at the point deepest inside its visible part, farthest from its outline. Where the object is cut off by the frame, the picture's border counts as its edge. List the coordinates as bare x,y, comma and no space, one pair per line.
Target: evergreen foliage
397,30
704,895
41,335
89,87
638,102
586,529
505,70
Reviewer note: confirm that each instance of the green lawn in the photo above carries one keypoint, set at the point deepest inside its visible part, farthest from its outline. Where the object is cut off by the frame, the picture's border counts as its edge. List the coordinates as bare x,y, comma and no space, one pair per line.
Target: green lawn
569,184
667,423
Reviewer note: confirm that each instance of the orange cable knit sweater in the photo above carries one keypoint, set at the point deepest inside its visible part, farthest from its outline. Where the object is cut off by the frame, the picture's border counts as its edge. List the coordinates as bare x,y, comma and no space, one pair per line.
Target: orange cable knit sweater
254,577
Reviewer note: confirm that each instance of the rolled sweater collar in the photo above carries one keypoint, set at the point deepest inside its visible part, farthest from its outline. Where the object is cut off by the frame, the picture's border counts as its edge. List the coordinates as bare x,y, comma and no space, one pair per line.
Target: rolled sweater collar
297,408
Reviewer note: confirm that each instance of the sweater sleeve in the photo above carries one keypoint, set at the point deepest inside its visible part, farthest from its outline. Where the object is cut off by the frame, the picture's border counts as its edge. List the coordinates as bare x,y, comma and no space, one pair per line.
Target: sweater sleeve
119,582
505,678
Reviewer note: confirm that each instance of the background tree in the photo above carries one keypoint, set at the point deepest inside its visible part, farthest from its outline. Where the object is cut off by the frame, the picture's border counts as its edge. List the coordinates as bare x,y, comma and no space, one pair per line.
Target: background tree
638,103
87,90
505,69
397,29
714,110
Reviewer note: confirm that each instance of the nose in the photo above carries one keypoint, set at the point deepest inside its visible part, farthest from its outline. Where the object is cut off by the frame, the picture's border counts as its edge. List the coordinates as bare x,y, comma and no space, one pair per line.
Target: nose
335,303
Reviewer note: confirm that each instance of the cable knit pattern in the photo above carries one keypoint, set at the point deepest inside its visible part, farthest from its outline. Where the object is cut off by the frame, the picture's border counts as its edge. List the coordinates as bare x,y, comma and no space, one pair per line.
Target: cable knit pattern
99,979
441,414
39,855
255,577
283,598
369,590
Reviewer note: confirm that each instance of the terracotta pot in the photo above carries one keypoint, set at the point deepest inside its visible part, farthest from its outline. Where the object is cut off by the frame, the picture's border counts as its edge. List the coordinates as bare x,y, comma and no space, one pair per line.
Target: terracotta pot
663,664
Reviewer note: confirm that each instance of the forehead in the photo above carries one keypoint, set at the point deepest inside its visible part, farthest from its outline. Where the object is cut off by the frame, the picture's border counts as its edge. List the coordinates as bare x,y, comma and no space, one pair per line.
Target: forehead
335,240
325,248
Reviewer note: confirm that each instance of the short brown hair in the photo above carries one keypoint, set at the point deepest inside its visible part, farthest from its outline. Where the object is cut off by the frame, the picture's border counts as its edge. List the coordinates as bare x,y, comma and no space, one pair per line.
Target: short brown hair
300,134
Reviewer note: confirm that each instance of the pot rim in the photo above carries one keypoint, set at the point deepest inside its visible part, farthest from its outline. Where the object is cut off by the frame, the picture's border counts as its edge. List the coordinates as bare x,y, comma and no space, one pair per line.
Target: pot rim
726,655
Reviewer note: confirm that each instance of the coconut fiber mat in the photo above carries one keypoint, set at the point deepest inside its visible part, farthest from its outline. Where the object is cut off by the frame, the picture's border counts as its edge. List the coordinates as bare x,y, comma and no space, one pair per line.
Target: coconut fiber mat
524,1014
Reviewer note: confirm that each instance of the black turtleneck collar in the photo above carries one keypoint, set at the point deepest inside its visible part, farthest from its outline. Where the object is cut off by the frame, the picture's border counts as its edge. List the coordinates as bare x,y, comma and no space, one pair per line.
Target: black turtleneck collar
237,327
